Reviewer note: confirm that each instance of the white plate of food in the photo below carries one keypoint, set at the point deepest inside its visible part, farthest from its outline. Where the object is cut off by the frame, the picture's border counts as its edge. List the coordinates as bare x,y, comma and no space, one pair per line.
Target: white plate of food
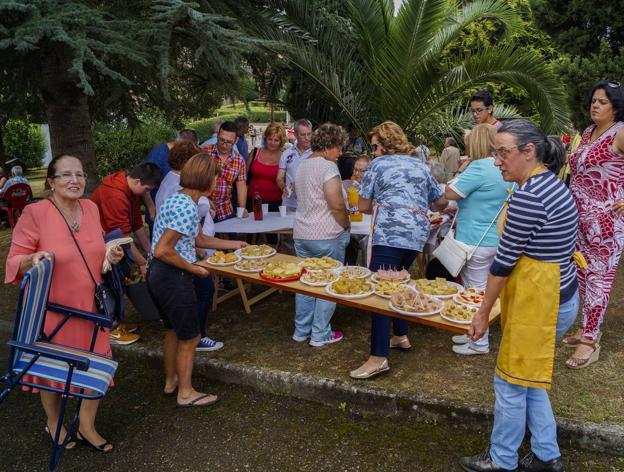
348,288
439,288
220,258
318,278
256,252
413,303
458,312
251,265
389,275
320,263
354,272
281,272
386,289
470,296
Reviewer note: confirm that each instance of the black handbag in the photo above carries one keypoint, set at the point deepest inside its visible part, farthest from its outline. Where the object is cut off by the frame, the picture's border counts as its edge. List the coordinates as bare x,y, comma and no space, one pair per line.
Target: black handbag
105,297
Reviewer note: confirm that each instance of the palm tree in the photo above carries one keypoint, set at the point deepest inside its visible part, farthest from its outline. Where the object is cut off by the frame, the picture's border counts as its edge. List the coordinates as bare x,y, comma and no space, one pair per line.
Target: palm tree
375,64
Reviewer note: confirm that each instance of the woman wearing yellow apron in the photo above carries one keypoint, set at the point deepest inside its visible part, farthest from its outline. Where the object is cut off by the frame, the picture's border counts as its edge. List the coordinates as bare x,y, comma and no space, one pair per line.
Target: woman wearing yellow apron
535,276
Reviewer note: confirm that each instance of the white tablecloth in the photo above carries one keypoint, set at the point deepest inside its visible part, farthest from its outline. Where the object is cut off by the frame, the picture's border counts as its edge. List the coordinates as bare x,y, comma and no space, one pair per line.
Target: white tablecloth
272,222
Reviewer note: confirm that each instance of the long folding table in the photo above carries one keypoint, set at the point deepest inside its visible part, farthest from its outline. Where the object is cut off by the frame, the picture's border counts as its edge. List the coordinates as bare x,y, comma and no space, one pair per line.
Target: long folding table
372,303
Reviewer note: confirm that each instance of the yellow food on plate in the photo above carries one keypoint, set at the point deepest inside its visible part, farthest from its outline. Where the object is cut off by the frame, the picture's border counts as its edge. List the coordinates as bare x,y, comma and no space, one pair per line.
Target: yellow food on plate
320,263
348,286
439,286
281,270
319,276
251,264
220,257
413,302
459,312
388,288
255,251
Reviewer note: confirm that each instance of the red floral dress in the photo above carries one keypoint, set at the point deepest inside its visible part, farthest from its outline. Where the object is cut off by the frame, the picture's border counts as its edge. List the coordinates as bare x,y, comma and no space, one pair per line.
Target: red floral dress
597,182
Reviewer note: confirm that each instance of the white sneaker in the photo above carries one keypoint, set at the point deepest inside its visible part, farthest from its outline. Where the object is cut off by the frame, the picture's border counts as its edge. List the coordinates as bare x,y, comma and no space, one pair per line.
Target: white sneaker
468,350
300,339
461,339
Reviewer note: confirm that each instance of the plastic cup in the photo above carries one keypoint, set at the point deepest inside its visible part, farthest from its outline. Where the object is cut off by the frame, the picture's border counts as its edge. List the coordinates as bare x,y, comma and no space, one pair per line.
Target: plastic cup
240,212
265,208
283,210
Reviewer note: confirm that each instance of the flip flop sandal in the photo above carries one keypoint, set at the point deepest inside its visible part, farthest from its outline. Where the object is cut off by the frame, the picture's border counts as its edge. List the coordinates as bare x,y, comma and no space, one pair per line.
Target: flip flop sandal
581,362
193,403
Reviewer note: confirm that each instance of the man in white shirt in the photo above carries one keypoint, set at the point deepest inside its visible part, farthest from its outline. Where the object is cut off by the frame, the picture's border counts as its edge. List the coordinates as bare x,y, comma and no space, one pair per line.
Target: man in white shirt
290,160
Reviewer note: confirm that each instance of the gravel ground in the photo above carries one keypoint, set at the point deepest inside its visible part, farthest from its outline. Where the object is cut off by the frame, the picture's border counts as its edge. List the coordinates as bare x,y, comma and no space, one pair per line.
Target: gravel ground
245,431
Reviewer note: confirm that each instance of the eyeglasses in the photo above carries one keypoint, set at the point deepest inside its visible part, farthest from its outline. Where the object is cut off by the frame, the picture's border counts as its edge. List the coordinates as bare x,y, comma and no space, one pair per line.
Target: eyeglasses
502,152
67,176
476,111
226,143
303,135
614,84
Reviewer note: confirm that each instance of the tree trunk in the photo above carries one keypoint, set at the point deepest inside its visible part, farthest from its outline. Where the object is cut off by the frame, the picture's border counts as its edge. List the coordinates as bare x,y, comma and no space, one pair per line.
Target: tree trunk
67,110
2,153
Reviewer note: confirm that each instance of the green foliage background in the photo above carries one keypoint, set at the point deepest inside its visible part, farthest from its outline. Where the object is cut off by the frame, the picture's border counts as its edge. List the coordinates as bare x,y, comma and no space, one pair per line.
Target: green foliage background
24,141
118,146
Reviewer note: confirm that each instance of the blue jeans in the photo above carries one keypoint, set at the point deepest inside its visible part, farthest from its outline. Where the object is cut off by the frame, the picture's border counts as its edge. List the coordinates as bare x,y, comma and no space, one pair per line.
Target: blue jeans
204,291
388,258
312,315
517,406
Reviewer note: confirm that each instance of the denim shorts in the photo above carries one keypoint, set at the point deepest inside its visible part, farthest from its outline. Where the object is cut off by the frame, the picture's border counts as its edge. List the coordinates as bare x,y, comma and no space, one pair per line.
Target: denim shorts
173,292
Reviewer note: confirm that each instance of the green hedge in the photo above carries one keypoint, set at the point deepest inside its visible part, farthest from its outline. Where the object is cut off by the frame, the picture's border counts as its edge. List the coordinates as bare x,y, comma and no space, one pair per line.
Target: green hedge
203,126
23,141
119,147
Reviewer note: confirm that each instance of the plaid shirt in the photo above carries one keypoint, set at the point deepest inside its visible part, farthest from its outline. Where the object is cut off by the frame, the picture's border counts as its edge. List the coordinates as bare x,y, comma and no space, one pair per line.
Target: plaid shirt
232,170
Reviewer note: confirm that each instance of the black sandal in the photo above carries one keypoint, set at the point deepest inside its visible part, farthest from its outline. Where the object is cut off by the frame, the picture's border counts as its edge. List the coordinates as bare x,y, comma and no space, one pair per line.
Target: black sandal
86,442
70,441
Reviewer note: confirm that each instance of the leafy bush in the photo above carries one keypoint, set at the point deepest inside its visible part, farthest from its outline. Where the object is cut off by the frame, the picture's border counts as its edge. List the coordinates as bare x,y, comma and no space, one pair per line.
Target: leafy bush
23,141
203,126
120,147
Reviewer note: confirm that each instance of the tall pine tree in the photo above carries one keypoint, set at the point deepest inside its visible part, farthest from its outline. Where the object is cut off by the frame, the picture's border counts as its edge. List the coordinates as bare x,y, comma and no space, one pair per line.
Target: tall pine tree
74,55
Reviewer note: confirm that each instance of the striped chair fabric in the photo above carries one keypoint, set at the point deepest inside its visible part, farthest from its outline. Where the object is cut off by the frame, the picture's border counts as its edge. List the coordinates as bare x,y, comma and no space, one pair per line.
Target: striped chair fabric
36,288
97,377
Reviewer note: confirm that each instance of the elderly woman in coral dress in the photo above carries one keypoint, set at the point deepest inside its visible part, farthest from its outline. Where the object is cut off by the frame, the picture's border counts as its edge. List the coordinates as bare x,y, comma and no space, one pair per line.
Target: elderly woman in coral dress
44,229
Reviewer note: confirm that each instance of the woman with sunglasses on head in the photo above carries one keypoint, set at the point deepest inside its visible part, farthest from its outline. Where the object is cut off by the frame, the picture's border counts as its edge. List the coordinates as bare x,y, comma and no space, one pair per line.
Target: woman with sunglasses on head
402,189
597,185
534,274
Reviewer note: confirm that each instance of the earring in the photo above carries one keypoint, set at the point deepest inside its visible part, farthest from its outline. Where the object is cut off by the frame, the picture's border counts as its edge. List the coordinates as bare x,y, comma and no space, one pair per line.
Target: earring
52,189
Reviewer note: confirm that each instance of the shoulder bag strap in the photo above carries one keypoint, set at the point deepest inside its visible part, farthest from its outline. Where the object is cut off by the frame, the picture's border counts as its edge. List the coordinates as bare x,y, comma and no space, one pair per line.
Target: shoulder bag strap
75,240
252,158
490,225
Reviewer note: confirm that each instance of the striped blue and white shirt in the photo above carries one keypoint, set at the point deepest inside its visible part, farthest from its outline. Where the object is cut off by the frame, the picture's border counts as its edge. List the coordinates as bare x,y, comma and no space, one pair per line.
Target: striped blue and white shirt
542,224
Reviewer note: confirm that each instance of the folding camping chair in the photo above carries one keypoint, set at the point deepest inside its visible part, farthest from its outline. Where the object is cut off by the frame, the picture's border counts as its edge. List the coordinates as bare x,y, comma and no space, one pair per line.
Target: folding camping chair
83,374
